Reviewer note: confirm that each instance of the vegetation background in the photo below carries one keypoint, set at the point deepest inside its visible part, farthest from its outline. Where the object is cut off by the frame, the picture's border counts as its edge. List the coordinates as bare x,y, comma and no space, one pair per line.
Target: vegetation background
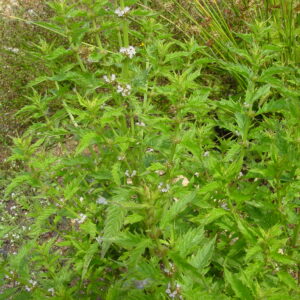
149,149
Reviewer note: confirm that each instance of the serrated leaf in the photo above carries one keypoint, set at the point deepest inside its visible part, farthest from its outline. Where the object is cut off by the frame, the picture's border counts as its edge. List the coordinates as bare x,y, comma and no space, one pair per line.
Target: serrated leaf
175,55
115,172
283,259
176,209
87,259
40,220
252,252
204,255
37,81
134,218
112,226
87,139
213,215
239,288
288,280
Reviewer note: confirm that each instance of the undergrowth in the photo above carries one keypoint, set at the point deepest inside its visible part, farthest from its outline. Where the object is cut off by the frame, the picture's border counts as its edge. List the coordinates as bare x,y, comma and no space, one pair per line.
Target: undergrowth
151,166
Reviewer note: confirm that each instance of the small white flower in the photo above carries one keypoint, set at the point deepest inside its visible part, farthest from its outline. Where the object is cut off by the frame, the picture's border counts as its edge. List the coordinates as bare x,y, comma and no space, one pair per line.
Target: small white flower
81,199
149,150
33,283
27,288
123,50
51,290
160,173
130,51
109,79
126,9
141,124
206,153
121,12
82,218
224,206
280,251
11,49
119,89
31,12
133,173
164,188
125,91
99,239
101,200
141,284
196,174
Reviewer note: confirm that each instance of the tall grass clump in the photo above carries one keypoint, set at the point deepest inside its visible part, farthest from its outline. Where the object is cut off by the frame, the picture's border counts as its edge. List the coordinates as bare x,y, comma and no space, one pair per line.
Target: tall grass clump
141,175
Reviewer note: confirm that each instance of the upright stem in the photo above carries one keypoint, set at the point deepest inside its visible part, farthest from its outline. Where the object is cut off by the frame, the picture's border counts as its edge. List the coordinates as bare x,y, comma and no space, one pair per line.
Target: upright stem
125,40
80,62
98,41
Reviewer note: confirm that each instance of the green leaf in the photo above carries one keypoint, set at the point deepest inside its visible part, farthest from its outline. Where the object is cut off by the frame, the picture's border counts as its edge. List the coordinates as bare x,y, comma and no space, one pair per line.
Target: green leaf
239,288
175,55
87,259
113,224
37,81
283,259
252,252
134,218
189,241
204,255
176,209
286,278
213,215
17,181
87,139
115,172
41,220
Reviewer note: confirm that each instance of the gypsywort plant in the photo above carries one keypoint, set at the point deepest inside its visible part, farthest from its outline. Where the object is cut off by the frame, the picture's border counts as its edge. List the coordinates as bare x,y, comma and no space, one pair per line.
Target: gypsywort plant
138,179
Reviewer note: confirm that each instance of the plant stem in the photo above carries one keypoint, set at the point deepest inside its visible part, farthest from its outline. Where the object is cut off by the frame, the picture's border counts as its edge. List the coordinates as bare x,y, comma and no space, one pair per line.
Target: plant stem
98,41
125,41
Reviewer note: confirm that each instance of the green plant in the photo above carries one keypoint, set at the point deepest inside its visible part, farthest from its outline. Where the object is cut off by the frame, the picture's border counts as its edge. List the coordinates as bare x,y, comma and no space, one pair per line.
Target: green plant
140,179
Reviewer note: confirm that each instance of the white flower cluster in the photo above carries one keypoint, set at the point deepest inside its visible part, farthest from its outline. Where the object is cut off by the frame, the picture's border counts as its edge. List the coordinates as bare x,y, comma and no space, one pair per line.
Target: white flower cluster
33,284
109,79
141,124
130,51
164,188
52,291
121,12
99,239
206,153
127,174
141,284
81,219
171,270
124,90
173,294
101,200
13,50
130,176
